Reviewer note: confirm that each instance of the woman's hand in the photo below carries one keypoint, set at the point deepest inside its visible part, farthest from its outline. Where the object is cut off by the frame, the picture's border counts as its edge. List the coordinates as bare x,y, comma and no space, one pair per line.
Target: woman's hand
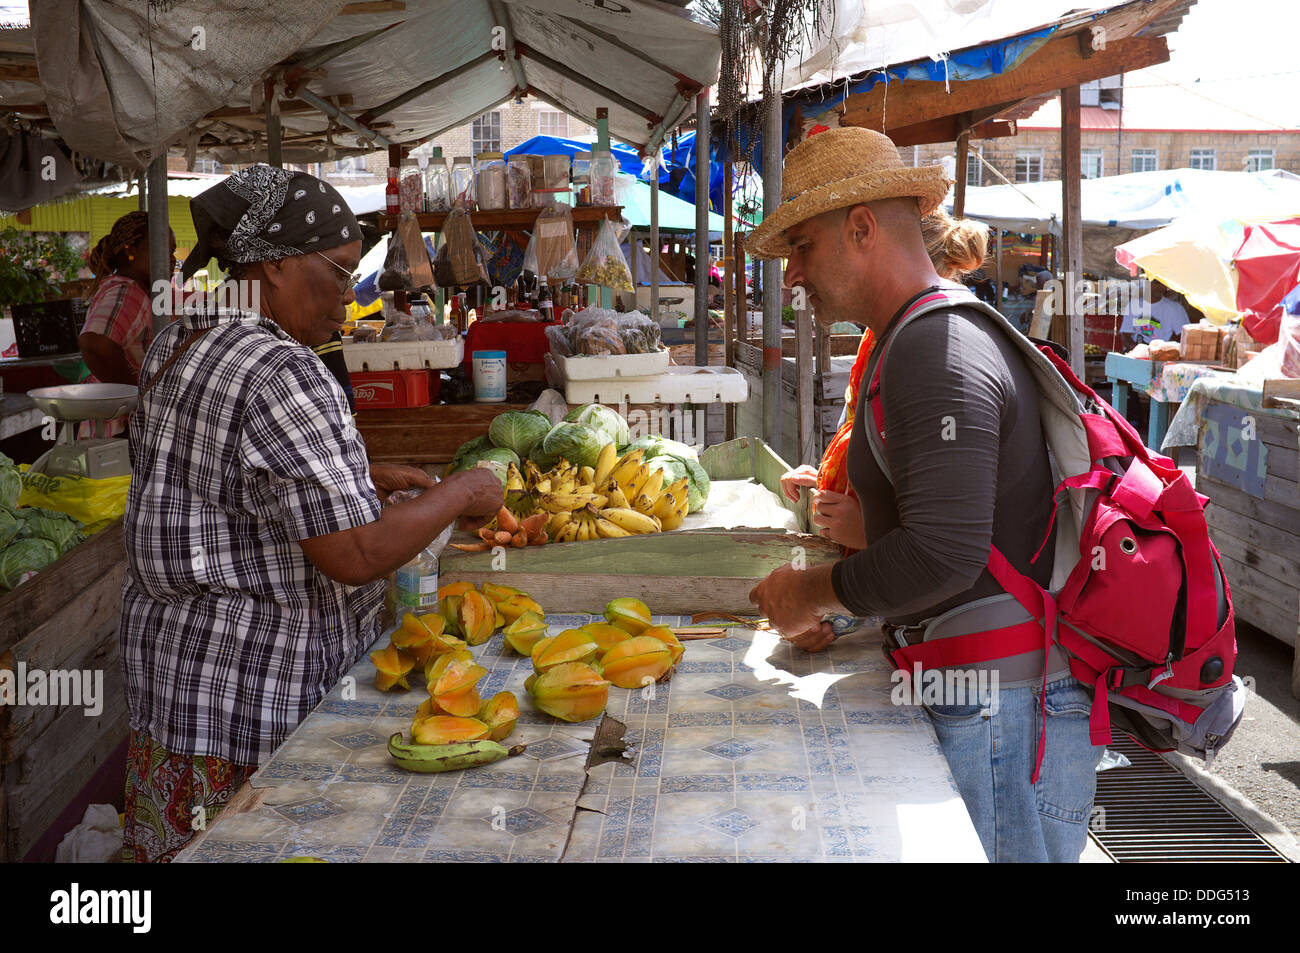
793,479
483,492
391,477
840,518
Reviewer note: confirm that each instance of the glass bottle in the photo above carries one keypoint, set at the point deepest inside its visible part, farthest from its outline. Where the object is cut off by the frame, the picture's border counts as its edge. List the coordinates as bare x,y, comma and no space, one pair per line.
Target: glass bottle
392,194
545,303
603,169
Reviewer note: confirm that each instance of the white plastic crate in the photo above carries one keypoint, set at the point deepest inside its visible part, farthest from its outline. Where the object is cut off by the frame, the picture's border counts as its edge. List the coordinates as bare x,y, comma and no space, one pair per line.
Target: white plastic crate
404,356
590,367
679,385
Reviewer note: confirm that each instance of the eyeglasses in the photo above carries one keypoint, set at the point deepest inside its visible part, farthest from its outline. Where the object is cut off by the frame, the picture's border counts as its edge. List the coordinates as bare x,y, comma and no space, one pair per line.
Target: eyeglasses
351,279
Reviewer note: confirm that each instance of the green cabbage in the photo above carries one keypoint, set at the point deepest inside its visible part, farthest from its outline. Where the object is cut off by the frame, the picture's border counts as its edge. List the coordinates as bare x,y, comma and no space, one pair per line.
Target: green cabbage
10,526
606,421
673,468
697,484
573,442
470,448
519,431
501,455
11,483
57,528
656,445
23,556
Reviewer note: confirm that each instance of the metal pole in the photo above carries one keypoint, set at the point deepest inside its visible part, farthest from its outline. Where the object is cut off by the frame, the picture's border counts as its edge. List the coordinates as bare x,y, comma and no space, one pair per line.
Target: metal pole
602,144
702,229
772,391
654,245
160,257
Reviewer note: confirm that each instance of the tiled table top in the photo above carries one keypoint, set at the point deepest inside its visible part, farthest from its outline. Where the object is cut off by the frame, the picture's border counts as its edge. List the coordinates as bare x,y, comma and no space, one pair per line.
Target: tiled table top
751,751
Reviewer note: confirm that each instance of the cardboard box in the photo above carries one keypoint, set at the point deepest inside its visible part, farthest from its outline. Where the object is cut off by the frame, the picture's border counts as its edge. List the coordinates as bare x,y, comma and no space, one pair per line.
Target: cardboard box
1200,342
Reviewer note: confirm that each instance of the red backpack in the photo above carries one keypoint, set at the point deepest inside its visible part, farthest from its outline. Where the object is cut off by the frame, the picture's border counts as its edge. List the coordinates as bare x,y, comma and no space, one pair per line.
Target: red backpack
1137,599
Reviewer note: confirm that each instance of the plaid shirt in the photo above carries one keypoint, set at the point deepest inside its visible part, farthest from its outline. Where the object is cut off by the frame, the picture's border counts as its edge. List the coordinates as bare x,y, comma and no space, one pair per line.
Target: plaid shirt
229,635
122,312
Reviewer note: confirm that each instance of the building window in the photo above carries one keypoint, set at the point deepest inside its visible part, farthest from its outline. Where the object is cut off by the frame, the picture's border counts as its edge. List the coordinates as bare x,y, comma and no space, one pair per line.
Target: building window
486,133
1144,160
351,165
974,169
1092,163
1203,159
551,122
1259,160
1029,166
213,167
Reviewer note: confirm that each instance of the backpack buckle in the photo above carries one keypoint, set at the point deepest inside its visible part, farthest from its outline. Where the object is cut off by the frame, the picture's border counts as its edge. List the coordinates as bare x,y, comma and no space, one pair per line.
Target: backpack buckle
1159,677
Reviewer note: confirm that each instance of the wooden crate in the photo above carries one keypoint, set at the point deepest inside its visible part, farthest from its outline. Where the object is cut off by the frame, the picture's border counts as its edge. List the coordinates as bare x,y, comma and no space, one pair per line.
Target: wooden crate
683,571
1254,516
64,619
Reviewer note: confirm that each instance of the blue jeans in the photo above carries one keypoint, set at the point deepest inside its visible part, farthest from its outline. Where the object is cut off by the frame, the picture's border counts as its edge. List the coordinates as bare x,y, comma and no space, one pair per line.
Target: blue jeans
992,758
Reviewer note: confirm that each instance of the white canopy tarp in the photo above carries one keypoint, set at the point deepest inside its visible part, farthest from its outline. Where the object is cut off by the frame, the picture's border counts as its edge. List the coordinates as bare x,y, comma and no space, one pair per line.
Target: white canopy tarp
121,83
862,35
1140,200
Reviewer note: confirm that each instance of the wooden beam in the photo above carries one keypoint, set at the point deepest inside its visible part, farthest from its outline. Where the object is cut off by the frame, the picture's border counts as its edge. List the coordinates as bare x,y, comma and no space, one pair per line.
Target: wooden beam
1057,65
946,128
959,173
287,107
1072,221
728,289
372,6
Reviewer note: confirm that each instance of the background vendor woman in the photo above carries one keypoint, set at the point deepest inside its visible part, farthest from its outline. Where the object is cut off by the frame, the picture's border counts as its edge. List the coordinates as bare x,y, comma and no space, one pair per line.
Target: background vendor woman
119,322
256,543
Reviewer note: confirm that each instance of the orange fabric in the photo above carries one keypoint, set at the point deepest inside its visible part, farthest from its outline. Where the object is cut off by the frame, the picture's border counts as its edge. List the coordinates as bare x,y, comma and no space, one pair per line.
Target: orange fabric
833,473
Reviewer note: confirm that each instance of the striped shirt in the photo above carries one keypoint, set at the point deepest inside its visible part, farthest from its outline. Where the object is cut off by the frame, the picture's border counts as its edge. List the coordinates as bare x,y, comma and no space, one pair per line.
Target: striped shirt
229,635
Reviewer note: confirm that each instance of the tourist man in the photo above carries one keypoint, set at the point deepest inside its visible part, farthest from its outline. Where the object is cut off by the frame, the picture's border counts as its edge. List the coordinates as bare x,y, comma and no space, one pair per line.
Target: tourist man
967,467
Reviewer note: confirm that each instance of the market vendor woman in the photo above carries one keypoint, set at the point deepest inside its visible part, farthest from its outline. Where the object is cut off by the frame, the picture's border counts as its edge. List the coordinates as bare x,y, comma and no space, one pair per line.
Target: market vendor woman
257,543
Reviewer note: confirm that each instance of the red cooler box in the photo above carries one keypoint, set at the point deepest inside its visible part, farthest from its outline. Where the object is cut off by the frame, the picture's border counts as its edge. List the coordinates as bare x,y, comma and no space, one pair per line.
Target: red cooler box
384,390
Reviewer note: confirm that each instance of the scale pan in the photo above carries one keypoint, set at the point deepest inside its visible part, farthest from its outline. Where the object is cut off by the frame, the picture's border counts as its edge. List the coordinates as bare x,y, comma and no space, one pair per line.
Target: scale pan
86,401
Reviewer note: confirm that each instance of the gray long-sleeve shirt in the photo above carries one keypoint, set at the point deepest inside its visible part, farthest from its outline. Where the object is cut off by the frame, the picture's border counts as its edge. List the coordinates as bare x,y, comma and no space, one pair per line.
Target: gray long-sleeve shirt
965,448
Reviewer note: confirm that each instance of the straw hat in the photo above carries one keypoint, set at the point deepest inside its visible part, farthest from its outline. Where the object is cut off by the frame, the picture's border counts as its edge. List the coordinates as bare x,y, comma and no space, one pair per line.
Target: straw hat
838,168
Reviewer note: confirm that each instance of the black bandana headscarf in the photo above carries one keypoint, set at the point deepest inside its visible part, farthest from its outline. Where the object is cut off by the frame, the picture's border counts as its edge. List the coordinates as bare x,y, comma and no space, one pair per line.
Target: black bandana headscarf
263,213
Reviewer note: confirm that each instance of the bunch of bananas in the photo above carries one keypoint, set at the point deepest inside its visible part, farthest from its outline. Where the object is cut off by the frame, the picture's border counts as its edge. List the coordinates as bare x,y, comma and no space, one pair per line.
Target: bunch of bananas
619,496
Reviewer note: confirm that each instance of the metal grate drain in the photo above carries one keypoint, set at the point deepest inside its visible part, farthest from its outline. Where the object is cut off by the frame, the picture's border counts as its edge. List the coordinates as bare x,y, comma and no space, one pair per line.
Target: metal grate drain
1152,812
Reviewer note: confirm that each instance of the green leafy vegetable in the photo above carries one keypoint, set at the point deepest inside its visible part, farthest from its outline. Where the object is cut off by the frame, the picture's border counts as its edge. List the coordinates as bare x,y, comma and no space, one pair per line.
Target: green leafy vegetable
573,442
23,556
519,431
606,421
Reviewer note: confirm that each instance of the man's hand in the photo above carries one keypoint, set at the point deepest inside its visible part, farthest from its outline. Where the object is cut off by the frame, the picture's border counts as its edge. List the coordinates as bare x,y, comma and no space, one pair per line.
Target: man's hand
840,517
391,477
793,479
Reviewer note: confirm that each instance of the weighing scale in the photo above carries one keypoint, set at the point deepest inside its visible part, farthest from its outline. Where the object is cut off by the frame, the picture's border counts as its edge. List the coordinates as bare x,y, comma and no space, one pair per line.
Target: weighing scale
98,456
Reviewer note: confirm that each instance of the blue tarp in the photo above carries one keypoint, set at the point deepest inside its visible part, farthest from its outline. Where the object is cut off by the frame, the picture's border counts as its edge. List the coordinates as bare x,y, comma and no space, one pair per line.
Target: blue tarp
978,62
628,159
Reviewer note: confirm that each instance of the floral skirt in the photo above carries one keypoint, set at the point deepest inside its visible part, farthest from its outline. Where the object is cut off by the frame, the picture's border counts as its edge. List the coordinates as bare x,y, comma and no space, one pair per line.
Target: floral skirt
170,798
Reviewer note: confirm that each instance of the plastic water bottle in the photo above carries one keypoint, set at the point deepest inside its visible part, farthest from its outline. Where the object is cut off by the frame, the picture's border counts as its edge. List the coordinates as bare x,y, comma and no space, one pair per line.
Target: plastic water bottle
417,581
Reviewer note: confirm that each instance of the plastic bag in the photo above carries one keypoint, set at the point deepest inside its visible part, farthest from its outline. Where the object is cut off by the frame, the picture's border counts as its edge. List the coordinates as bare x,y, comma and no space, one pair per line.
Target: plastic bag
557,255
96,503
605,264
396,273
558,336
505,260
640,334
417,253
461,247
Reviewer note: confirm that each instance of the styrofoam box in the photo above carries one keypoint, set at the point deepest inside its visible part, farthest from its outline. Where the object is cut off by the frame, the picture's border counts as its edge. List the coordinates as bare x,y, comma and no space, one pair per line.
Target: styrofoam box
680,385
404,356
590,367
